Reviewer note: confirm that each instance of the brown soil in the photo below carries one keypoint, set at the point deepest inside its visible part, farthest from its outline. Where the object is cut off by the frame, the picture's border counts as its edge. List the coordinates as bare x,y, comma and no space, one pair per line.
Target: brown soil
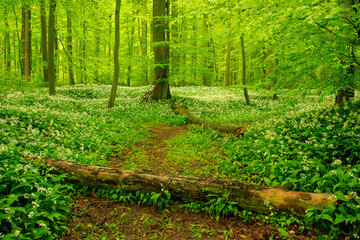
96,218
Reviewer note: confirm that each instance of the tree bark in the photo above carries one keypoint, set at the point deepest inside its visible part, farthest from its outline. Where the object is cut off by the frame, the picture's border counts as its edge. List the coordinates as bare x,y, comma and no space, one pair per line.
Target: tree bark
27,42
143,42
111,101
349,92
7,52
228,57
161,88
223,129
175,59
246,94
44,41
187,188
51,46
69,47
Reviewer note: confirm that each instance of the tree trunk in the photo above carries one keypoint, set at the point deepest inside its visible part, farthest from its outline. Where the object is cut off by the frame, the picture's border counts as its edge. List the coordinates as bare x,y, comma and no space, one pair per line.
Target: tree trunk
69,47
44,41
7,52
187,188
111,102
27,42
161,88
83,51
143,42
51,46
130,38
175,59
184,56
243,56
349,92
207,62
228,57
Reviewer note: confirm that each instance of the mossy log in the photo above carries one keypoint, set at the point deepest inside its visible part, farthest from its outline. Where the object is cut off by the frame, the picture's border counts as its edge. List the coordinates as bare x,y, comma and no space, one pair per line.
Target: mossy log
187,188
234,130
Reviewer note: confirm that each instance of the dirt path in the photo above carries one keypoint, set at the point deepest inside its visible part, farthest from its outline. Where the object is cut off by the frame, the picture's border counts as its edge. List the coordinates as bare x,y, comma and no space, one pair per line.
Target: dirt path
151,155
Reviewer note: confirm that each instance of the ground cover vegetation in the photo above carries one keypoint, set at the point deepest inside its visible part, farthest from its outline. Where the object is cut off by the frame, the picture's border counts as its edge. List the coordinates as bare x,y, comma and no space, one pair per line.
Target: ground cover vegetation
287,70
314,147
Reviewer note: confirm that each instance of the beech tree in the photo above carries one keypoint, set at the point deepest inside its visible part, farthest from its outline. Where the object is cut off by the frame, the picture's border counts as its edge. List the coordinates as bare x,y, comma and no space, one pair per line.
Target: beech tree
44,40
161,88
111,101
51,50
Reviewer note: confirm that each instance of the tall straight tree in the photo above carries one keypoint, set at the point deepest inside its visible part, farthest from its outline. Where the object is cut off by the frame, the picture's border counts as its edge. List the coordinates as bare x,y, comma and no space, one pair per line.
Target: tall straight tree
69,46
161,88
243,57
7,51
27,40
51,50
44,40
111,101
143,40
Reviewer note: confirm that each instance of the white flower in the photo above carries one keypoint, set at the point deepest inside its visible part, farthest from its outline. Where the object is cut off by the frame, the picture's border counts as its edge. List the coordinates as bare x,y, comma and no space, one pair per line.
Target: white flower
42,225
332,172
17,233
31,214
337,162
332,198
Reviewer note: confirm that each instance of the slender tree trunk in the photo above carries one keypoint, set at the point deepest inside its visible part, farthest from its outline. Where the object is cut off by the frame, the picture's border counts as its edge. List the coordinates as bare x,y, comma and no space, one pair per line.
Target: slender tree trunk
70,47
130,38
184,56
111,101
83,50
143,42
18,54
51,46
228,57
57,56
152,70
110,32
175,39
243,56
22,52
194,59
27,42
205,46
97,54
44,41
7,52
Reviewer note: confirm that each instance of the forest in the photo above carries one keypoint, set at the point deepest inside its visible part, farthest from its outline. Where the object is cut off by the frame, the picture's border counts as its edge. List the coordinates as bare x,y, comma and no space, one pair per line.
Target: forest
168,119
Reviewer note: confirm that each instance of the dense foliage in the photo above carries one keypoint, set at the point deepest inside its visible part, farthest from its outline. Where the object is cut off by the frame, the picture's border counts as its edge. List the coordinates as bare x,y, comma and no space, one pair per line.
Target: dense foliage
287,43
34,202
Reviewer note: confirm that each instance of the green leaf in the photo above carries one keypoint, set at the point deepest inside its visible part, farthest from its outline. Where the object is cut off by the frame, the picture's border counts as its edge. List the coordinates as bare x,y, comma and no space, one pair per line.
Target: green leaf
327,217
283,232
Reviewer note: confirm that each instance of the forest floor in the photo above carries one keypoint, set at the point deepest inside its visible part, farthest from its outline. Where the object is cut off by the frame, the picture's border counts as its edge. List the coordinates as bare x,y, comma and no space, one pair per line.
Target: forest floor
97,218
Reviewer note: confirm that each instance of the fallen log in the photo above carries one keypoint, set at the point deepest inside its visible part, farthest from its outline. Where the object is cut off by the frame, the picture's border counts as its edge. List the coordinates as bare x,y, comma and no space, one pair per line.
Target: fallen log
234,130
187,188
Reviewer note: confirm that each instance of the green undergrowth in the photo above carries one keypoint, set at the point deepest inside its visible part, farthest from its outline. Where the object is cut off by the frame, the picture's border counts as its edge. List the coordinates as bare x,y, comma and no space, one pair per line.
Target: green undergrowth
34,203
316,151
299,140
